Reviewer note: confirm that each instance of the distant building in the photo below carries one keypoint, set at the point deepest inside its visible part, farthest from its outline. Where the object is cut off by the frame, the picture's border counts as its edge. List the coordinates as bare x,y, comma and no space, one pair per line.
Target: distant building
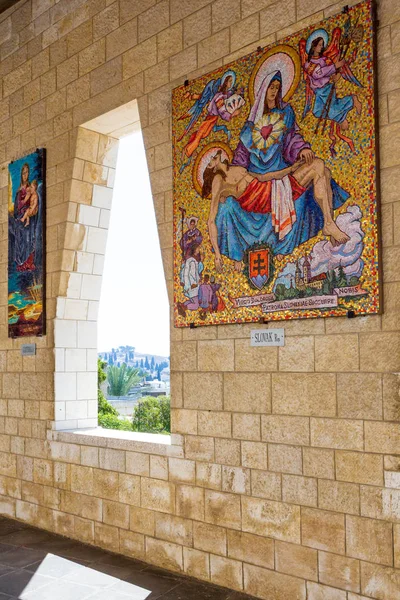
157,388
165,374
304,281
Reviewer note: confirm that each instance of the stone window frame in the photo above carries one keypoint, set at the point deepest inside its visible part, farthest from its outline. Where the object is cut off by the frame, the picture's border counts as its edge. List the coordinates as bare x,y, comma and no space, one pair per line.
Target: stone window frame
75,325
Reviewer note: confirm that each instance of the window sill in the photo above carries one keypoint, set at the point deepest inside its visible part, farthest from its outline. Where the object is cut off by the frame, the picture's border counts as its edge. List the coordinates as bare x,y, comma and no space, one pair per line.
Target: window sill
168,445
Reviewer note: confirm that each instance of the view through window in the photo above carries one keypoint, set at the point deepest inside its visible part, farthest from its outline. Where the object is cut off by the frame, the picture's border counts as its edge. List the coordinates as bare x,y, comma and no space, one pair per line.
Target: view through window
133,325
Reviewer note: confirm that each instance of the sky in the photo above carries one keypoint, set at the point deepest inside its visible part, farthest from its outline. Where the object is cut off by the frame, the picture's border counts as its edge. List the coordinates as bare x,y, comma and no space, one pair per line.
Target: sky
134,306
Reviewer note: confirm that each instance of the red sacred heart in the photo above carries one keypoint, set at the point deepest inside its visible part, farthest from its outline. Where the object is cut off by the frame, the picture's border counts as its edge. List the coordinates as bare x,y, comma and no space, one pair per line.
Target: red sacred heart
266,130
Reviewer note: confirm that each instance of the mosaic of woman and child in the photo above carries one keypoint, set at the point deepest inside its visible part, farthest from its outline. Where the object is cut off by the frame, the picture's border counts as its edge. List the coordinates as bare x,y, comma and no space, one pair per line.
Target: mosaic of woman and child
272,190
26,251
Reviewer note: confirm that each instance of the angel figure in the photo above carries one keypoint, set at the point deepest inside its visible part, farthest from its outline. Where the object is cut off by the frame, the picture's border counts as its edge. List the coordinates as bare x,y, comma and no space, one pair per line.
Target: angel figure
220,99
323,66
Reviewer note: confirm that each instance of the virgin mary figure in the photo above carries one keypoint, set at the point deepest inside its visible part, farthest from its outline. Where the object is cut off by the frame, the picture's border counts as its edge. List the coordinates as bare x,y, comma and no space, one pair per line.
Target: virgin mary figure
24,233
303,201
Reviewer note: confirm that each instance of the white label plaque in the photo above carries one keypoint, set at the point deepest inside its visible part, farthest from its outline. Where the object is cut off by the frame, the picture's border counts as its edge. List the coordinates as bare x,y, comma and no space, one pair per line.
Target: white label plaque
28,349
267,337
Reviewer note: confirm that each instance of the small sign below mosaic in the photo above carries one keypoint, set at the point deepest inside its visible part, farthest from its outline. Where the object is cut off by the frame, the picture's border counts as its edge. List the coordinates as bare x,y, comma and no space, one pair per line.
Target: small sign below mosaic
275,190
28,349
267,337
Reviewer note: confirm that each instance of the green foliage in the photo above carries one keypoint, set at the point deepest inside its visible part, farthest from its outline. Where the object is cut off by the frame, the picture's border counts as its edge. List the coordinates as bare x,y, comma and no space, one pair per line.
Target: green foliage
280,291
291,293
342,279
165,409
105,407
101,374
326,287
333,279
109,421
354,280
152,415
121,379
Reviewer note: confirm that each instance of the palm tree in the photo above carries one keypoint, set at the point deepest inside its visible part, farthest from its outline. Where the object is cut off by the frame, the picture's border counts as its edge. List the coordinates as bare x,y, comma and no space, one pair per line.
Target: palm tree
121,379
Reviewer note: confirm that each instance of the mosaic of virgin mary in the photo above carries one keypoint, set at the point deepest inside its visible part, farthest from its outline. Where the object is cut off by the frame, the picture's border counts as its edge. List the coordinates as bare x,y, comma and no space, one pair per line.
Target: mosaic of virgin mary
271,141
278,207
26,246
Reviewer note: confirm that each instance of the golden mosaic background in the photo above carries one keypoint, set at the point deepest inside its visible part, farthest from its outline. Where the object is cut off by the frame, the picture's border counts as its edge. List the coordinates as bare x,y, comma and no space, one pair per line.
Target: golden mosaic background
355,173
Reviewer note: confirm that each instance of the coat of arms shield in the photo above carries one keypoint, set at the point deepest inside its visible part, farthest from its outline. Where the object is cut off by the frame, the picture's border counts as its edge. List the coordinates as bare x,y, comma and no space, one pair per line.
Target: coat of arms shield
259,266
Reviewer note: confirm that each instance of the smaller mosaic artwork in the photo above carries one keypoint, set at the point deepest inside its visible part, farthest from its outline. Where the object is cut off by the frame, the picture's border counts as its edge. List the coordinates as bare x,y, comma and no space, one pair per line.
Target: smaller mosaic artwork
26,245
275,191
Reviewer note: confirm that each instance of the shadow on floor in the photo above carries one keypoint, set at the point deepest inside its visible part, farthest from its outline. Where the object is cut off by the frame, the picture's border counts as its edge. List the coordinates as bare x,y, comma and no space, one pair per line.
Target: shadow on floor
37,565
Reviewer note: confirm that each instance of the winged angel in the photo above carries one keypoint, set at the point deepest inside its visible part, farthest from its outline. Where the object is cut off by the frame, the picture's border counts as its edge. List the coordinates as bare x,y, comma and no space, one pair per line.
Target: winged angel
323,66
221,101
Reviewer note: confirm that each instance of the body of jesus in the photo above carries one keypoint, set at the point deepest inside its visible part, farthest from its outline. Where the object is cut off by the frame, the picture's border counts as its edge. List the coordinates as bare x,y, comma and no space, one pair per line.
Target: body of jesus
220,179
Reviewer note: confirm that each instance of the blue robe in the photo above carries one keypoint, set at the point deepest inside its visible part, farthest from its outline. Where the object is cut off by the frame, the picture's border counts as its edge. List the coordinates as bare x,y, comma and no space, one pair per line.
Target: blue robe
338,107
239,229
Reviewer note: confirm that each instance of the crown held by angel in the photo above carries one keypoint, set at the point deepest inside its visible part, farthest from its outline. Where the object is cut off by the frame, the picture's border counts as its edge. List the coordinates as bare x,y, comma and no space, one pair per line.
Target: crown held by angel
323,65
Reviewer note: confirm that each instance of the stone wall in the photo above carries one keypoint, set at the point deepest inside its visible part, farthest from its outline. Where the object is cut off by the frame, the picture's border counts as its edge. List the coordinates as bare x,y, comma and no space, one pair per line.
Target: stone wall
282,478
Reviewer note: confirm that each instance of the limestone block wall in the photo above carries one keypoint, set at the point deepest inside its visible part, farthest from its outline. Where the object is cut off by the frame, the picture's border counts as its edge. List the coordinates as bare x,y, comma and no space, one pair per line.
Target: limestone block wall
282,478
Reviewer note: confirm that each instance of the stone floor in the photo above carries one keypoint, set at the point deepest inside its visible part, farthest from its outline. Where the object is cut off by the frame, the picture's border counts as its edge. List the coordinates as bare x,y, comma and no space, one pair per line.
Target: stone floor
37,565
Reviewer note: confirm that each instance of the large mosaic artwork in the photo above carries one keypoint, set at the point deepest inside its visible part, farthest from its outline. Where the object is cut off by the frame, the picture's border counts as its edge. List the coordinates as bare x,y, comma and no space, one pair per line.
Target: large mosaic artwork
275,194
26,247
